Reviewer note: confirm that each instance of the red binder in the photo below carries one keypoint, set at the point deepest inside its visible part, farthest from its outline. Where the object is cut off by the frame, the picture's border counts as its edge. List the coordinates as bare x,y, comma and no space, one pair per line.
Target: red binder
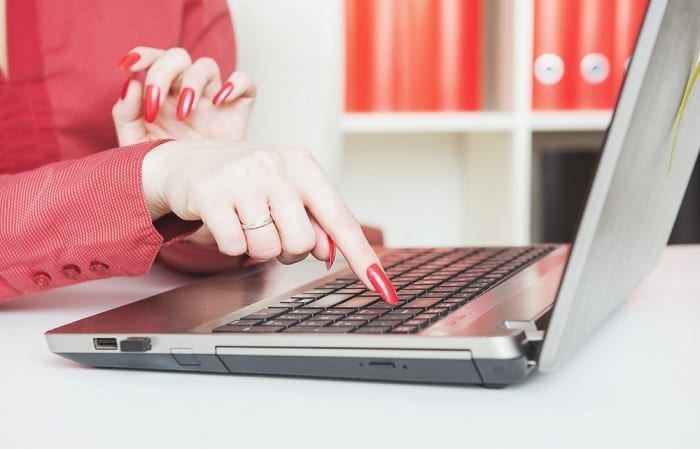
628,20
595,86
416,57
554,63
359,48
460,55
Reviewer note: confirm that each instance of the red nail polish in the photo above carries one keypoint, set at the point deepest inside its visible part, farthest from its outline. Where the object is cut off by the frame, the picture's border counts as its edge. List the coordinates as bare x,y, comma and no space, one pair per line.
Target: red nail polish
331,251
129,60
184,105
152,103
221,95
382,284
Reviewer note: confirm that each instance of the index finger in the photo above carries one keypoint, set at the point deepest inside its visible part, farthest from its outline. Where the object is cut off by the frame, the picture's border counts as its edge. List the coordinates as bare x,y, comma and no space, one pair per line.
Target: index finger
334,216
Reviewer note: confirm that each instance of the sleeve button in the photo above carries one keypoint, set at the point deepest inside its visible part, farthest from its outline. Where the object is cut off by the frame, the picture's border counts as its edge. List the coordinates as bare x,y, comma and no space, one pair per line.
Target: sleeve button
42,279
98,267
71,271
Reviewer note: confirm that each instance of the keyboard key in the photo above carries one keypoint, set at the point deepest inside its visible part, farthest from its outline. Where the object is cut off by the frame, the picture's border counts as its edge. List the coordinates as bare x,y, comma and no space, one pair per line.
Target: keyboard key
357,302
422,303
250,329
279,323
372,330
297,300
315,323
345,323
264,314
330,300
390,323
316,330
403,313
245,323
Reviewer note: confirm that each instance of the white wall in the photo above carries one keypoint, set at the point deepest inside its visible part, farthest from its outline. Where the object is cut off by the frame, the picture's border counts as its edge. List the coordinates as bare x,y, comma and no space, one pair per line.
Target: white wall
292,49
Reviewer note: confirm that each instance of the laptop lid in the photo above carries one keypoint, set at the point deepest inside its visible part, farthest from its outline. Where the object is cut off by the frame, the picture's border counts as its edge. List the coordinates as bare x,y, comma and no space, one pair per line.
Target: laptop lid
647,159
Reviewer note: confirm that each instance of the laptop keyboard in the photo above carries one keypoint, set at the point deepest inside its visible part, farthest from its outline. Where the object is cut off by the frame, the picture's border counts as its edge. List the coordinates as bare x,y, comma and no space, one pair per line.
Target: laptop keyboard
430,284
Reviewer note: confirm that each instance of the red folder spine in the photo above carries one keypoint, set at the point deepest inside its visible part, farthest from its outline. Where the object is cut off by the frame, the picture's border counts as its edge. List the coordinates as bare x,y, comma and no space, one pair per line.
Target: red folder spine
460,54
416,57
628,20
554,63
383,61
595,86
359,49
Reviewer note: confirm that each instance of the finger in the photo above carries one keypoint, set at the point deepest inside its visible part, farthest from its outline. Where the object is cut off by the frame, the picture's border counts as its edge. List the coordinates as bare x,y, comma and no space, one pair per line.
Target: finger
263,242
296,235
325,246
331,212
226,229
203,236
140,58
161,75
238,85
126,113
200,79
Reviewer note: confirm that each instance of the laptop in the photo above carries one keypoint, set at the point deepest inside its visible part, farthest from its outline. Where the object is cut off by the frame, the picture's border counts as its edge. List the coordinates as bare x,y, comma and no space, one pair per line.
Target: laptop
486,316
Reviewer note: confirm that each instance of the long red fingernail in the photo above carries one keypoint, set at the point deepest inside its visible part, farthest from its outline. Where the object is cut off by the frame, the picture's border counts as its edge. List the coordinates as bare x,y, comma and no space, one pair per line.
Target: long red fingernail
381,283
331,251
129,60
152,103
125,88
221,95
184,105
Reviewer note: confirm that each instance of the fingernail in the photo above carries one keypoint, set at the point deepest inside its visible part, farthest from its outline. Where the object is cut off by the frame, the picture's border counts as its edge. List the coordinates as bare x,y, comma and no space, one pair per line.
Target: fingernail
382,284
184,105
152,103
129,60
125,88
221,95
331,251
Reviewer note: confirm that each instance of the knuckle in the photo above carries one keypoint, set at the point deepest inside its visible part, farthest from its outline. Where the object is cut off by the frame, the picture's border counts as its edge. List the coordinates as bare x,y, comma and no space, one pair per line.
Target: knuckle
267,159
179,53
206,62
301,154
301,245
233,248
270,250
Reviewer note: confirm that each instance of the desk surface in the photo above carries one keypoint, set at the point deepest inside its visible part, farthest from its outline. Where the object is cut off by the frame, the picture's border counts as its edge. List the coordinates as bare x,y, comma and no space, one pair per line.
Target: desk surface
636,384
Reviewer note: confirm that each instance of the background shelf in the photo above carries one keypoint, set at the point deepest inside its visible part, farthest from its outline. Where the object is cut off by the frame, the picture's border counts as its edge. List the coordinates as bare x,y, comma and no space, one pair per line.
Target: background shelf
408,122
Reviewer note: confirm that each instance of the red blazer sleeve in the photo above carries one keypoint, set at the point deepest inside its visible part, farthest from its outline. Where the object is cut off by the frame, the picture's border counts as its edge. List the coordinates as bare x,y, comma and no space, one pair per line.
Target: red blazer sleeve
78,220
207,31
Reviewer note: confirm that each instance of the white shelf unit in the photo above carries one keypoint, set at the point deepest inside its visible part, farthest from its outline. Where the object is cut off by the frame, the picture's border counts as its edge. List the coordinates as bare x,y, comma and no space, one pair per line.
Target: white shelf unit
460,178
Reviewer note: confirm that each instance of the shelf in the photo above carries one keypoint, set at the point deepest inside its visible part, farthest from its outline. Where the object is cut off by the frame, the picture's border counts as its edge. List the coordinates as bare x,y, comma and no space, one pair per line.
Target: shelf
428,122
456,122
570,120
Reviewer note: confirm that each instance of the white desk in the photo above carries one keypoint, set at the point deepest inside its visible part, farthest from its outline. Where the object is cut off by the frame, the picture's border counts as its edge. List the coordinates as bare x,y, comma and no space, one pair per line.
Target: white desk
636,384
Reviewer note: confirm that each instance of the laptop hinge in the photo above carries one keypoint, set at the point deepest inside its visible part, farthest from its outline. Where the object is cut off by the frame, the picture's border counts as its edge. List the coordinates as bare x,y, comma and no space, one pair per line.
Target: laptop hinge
533,337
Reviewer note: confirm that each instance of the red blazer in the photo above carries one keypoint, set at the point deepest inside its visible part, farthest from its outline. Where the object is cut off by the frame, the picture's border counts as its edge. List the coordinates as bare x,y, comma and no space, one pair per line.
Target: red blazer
83,216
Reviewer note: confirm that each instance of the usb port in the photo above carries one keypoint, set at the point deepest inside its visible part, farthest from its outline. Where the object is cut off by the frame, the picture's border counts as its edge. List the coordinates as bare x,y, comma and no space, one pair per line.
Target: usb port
105,344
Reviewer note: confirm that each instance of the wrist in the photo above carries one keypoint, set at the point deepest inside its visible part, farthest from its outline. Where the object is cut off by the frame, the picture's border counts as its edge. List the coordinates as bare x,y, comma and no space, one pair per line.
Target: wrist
152,178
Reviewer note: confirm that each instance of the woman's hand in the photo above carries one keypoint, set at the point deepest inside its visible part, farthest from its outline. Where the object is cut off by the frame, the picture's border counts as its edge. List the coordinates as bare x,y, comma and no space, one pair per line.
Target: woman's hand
262,201
180,99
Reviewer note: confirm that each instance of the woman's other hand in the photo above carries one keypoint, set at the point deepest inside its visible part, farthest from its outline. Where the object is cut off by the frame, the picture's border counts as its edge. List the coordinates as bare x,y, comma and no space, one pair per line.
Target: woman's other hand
180,98
262,201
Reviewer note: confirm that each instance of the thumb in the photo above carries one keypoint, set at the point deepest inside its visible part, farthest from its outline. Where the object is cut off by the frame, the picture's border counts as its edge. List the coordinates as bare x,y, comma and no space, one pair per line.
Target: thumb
127,114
